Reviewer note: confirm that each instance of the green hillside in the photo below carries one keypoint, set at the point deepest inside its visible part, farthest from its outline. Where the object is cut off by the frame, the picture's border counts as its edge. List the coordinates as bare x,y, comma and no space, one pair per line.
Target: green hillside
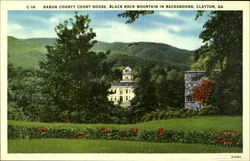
28,52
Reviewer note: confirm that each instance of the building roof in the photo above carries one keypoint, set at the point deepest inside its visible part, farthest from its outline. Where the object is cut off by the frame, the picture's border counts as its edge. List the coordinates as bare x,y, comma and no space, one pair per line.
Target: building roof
202,71
123,84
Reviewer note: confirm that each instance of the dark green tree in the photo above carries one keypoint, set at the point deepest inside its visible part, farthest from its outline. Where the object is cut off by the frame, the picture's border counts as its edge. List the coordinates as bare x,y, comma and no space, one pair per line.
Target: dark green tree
222,36
145,99
76,78
133,15
23,92
169,87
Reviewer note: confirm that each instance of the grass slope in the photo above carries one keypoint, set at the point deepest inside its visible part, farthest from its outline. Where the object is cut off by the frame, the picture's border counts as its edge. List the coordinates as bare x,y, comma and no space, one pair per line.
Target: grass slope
28,52
109,146
213,123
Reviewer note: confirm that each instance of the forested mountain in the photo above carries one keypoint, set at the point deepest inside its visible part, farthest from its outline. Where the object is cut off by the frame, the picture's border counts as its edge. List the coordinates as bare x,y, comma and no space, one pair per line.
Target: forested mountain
28,52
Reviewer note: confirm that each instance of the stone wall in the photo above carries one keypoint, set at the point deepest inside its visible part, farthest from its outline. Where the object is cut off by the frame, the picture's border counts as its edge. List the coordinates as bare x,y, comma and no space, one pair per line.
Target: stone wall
192,79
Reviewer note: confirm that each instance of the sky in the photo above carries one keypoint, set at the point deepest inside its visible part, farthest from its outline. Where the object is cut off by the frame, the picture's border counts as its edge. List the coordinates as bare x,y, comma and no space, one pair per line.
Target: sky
176,28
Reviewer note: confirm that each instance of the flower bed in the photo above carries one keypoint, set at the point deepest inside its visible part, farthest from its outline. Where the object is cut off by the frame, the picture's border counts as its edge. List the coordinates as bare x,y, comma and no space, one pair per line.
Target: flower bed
225,138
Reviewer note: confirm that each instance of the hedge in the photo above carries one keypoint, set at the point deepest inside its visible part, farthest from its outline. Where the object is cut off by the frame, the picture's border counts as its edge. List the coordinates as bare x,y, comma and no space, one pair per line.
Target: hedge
225,138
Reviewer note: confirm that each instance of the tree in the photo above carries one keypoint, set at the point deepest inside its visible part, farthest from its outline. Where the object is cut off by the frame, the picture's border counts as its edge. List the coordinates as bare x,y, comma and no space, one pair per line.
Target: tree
76,78
222,50
133,15
145,99
169,87
23,93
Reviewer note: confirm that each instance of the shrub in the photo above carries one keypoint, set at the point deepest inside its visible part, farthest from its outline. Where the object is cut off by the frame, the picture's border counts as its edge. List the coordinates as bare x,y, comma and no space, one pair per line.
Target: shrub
168,114
225,138
202,92
17,114
209,110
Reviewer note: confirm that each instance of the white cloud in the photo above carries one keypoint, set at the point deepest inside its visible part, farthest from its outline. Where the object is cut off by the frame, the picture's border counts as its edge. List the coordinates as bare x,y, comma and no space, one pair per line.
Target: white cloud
16,26
176,28
170,14
59,18
188,22
53,20
124,33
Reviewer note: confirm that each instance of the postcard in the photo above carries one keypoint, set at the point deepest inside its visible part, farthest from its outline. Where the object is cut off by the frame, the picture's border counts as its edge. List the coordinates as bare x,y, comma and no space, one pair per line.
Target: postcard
125,80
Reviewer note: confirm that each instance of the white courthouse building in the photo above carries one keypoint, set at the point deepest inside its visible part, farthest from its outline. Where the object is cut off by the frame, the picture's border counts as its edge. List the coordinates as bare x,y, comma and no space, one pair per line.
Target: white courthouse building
123,92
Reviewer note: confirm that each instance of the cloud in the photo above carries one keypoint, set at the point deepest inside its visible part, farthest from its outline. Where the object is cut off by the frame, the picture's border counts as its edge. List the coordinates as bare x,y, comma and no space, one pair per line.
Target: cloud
53,20
188,21
170,27
124,33
170,14
176,28
59,18
16,26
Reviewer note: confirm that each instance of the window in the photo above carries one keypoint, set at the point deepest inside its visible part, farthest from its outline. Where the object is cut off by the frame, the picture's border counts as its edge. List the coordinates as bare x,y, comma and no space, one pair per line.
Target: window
189,98
194,78
121,99
126,91
120,91
115,98
126,98
114,91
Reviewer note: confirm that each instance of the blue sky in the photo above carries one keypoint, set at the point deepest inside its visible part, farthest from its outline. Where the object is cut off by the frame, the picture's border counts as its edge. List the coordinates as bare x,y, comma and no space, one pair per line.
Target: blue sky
176,28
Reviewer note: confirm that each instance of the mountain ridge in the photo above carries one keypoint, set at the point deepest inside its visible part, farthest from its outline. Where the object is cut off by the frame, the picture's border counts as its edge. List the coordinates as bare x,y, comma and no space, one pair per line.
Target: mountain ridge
28,52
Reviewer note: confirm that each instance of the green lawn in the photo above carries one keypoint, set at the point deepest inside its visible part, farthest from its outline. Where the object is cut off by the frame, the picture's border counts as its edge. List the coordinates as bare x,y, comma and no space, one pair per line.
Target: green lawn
213,123
110,146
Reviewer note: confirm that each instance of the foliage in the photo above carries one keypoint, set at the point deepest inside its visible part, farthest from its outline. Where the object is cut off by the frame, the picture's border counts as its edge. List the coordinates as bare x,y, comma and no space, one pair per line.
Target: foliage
202,92
169,114
23,93
145,99
222,49
16,114
226,138
169,84
76,78
133,15
209,110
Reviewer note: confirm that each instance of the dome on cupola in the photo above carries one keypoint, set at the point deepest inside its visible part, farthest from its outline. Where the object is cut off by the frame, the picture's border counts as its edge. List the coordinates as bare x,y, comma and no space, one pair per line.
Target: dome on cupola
127,70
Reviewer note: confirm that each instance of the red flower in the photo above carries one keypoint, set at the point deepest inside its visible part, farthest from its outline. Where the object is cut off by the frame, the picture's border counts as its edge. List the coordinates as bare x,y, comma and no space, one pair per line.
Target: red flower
108,133
65,121
216,133
81,136
135,130
227,132
161,131
221,140
105,128
234,133
43,128
230,132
